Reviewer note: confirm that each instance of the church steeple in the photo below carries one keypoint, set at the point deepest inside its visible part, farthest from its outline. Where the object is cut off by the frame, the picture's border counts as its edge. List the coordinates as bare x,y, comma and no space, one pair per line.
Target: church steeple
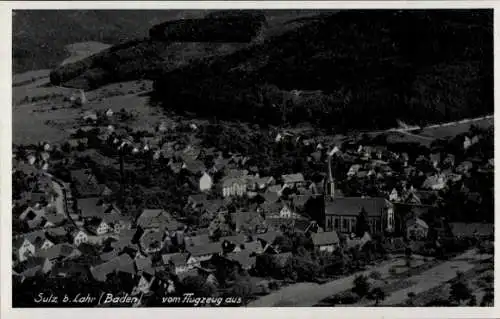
330,181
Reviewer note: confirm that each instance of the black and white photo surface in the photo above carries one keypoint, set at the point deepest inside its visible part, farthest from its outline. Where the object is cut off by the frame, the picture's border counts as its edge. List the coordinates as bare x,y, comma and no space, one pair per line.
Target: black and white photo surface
252,158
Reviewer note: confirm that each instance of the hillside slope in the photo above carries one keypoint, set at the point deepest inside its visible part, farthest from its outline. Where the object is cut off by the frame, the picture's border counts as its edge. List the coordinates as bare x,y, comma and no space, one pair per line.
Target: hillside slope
178,43
39,37
367,69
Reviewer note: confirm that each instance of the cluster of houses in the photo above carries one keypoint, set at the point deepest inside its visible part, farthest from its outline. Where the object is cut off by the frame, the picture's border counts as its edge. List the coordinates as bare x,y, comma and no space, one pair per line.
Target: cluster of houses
64,219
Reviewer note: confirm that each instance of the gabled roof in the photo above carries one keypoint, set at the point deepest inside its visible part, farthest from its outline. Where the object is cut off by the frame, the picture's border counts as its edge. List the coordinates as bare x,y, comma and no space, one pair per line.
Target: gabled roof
197,199
243,258
293,178
58,251
270,197
153,218
210,248
300,200
122,262
55,218
150,237
198,240
352,206
269,236
177,259
418,222
144,264
247,220
325,238
91,207
237,239
194,166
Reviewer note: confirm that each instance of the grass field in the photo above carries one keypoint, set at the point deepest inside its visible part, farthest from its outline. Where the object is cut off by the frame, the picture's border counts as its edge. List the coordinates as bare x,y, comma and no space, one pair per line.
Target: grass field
455,129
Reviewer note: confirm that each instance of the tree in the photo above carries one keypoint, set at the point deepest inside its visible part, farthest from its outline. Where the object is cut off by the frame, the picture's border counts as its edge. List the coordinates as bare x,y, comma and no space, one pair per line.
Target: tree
488,299
361,286
472,301
242,288
375,275
459,292
362,225
411,298
196,285
377,294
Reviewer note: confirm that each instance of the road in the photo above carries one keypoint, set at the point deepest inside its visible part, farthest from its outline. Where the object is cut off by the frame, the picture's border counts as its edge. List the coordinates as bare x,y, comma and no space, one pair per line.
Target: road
436,276
309,294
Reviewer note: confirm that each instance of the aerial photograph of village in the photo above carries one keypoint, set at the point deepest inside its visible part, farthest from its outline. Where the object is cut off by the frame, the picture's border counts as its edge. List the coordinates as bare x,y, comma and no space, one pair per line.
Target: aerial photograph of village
252,158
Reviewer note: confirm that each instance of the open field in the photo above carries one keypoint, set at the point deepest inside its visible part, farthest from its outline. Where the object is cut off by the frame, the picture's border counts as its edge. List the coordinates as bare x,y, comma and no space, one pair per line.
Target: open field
79,51
455,128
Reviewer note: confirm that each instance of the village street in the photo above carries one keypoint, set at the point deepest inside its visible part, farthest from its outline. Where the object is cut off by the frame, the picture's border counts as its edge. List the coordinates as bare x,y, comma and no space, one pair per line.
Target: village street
309,294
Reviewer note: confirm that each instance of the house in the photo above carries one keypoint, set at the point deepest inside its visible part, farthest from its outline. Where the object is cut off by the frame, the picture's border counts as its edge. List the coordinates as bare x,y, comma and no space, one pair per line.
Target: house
249,222
89,116
219,165
79,237
178,261
197,240
449,160
353,170
416,229
260,183
394,196
234,186
123,263
435,159
341,214
470,230
144,284
271,197
268,237
236,240
196,200
206,182
97,226
52,220
326,241
202,253
435,182
244,258
23,248
144,264
32,213
152,241
109,113
90,207
59,252
293,180
153,218
195,167
32,266
42,244
464,167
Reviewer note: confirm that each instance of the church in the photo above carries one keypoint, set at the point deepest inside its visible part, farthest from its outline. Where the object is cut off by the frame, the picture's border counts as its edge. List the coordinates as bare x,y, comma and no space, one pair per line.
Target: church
341,212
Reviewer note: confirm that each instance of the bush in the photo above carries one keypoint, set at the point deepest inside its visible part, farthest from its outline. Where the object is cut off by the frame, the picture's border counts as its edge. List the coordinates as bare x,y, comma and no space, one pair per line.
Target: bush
375,275
361,286
459,292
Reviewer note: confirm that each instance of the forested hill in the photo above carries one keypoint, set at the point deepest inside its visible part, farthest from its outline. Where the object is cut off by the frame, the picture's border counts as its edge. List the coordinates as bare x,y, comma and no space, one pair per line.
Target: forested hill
366,69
